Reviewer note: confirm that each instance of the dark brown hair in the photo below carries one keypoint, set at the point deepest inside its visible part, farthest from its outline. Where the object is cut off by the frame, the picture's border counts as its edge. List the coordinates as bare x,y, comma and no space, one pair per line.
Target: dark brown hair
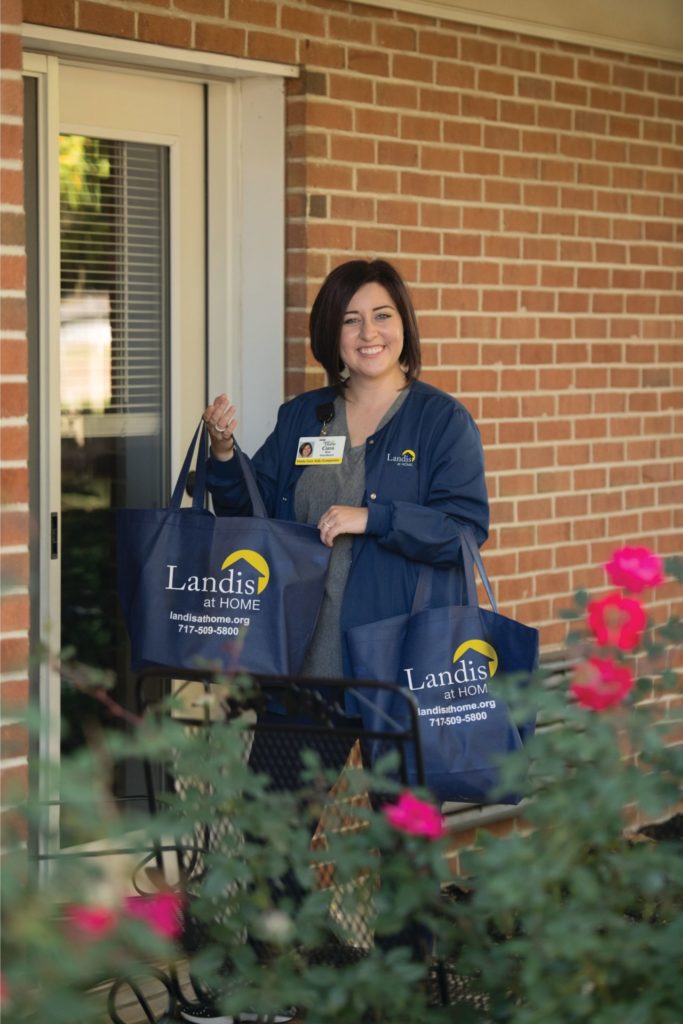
332,301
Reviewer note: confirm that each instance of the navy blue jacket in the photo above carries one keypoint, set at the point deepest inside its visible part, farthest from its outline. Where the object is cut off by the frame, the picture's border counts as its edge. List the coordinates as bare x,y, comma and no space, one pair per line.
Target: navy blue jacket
414,504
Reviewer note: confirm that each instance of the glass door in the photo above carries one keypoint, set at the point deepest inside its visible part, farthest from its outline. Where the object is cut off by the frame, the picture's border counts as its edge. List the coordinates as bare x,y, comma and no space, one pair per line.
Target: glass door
131,349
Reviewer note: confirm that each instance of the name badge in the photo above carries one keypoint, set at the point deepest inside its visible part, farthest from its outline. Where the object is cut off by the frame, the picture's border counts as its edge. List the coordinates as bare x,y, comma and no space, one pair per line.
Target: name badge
317,451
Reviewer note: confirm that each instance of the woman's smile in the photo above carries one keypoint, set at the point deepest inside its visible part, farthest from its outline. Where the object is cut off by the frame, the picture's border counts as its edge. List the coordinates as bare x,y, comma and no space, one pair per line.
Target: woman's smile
371,339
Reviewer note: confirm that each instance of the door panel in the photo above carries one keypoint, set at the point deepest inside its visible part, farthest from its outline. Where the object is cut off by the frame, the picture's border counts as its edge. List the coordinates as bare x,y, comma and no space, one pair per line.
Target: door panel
131,341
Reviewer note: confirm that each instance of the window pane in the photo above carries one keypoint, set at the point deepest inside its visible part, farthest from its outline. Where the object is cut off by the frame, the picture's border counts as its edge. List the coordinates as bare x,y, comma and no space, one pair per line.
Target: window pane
113,373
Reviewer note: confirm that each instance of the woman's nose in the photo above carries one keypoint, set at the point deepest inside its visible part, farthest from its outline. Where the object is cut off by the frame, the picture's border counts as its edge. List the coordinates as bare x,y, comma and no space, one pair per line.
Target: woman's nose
367,328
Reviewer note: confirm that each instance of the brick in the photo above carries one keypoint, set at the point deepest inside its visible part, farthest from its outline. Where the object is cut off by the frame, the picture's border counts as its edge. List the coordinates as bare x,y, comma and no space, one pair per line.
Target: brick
415,183
500,247
401,154
221,39
93,16
437,326
253,12
351,208
325,114
481,108
535,88
302,20
334,177
423,129
155,28
378,180
593,71
351,149
349,29
478,51
396,37
13,485
369,62
315,53
14,613
400,95
58,13
441,43
376,240
498,82
463,188
442,215
519,58
13,739
13,443
13,784
455,76
271,46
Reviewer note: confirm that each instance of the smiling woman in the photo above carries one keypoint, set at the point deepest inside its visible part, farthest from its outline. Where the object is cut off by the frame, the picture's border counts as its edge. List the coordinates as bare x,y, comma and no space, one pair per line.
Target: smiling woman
400,471
405,467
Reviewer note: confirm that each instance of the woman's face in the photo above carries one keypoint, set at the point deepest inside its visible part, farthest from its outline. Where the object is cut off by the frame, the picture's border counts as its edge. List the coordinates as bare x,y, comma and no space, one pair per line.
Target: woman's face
371,339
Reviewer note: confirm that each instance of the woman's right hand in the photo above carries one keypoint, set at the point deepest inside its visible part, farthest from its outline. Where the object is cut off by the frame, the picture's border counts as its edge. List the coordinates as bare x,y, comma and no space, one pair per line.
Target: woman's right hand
221,421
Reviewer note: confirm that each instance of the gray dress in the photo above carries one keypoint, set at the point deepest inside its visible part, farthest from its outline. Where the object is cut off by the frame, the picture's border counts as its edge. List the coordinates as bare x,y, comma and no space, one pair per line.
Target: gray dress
318,488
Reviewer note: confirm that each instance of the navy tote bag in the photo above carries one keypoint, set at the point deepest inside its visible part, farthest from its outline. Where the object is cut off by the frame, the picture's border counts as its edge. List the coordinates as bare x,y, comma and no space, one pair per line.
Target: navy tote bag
232,592
448,658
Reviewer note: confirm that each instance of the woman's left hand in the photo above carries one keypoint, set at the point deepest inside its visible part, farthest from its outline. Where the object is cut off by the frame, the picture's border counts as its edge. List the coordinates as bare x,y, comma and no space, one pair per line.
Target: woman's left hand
341,519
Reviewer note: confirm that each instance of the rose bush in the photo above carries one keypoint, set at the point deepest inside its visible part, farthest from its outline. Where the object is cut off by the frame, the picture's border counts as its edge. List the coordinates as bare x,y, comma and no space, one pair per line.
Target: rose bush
574,916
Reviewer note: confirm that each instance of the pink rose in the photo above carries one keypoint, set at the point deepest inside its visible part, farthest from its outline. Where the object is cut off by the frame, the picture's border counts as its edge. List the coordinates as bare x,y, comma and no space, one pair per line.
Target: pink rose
93,921
635,569
416,817
600,682
162,912
617,621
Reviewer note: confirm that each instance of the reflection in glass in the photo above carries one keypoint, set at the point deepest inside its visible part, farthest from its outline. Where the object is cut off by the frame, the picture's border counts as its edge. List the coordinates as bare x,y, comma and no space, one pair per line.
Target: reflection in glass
113,380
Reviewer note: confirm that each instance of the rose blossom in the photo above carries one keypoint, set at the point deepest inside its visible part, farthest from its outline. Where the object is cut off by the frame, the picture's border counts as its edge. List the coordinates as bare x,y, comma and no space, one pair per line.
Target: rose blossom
635,569
416,817
94,921
162,912
600,682
617,620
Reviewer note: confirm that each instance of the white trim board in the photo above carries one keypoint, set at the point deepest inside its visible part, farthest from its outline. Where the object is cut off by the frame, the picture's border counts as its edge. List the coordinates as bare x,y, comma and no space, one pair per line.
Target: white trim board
646,28
85,46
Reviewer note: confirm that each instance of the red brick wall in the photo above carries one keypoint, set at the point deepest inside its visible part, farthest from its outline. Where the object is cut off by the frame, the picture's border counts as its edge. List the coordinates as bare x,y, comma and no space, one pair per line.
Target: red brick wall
13,413
530,191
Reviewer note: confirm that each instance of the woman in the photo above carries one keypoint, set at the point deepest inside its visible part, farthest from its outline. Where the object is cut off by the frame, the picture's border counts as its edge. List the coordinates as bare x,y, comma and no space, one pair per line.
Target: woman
406,468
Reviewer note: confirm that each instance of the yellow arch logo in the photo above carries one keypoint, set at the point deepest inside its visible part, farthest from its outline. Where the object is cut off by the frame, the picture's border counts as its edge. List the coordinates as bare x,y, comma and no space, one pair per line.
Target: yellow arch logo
482,648
256,561
410,452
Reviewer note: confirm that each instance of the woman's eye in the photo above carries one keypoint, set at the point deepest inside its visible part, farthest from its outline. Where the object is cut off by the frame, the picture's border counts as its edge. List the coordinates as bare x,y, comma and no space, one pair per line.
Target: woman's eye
350,321
383,316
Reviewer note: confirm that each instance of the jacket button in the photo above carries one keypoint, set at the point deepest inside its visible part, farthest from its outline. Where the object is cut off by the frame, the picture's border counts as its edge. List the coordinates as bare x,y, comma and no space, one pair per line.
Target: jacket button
284,499
373,495
371,441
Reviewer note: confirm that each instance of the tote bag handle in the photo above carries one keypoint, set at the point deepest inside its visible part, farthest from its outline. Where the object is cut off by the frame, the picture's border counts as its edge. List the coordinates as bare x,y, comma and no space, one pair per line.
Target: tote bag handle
257,505
471,557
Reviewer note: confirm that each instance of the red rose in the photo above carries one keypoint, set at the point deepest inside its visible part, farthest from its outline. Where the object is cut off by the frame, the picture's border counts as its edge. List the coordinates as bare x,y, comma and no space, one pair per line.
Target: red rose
600,683
635,569
617,621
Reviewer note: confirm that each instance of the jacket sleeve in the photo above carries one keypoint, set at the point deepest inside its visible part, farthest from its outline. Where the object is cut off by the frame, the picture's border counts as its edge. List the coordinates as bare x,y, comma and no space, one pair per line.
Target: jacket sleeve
225,480
455,495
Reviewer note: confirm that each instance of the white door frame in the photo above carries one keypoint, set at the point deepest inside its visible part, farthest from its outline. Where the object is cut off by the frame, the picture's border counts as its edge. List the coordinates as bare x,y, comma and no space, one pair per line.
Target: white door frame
245,267
246,180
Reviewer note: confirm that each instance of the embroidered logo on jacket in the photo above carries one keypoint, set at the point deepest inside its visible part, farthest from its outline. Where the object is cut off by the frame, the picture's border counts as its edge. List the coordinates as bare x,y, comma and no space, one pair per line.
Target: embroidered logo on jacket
406,458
